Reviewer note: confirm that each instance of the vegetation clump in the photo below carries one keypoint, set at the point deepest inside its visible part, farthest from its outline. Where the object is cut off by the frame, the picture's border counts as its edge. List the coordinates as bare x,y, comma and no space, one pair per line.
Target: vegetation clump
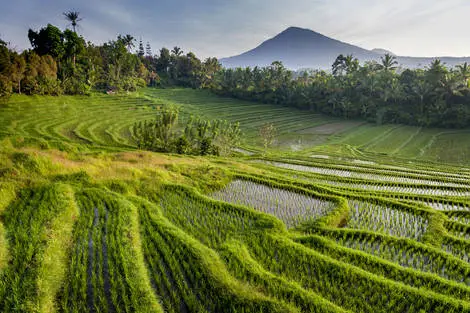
196,136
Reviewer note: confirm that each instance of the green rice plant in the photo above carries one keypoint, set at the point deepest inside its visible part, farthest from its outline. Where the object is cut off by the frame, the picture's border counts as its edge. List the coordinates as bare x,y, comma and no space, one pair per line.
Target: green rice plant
244,267
461,216
52,272
447,206
209,220
386,269
192,277
344,284
458,229
459,248
403,252
388,220
360,173
290,207
106,271
371,187
38,231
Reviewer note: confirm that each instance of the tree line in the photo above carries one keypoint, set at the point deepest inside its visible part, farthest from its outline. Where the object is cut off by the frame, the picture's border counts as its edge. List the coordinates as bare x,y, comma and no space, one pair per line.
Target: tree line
62,62
379,92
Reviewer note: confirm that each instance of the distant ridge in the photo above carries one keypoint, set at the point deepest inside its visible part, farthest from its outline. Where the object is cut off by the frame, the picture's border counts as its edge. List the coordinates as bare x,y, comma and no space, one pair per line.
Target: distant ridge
304,48
382,51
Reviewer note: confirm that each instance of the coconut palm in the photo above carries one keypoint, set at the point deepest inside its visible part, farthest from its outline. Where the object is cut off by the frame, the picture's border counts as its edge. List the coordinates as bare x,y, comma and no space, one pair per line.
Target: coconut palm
347,64
352,64
435,72
422,89
388,62
463,71
177,51
128,41
73,17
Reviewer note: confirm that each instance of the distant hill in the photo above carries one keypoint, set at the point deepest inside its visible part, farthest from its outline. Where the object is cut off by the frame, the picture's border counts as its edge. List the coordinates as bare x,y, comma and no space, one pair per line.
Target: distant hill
382,51
303,48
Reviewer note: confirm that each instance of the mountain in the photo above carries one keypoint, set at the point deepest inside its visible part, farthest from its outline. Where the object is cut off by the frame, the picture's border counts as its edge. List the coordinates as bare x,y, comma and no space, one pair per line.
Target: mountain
303,48
382,51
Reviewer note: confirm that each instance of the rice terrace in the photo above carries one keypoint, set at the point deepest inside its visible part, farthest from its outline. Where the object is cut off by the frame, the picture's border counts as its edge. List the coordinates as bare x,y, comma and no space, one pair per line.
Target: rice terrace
140,182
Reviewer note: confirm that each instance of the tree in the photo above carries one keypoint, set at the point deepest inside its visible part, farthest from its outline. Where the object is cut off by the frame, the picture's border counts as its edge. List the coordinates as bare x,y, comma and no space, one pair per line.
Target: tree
352,64
436,72
18,70
141,51
388,62
268,134
73,17
148,50
421,89
157,135
463,70
49,40
73,45
4,58
41,75
210,67
5,72
128,41
164,60
120,67
345,64
177,51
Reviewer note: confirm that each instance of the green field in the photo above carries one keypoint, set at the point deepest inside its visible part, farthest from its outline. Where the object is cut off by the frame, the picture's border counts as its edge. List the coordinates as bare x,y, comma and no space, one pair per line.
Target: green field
338,216
104,122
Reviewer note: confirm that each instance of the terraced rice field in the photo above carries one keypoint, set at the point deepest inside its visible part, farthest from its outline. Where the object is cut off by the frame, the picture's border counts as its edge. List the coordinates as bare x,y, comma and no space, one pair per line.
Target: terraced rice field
104,122
90,224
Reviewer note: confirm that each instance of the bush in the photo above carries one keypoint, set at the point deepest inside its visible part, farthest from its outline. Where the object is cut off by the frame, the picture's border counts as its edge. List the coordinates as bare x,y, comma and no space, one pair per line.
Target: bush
76,86
199,137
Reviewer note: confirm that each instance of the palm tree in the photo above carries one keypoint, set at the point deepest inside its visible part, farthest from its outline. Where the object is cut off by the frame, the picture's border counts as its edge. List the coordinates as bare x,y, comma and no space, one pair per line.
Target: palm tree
347,64
352,64
436,72
128,41
73,18
177,51
464,72
450,87
421,89
389,62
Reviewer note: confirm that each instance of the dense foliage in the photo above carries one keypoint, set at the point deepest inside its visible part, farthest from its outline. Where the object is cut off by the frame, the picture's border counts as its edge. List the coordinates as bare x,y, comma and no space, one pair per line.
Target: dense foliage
196,136
377,92
63,62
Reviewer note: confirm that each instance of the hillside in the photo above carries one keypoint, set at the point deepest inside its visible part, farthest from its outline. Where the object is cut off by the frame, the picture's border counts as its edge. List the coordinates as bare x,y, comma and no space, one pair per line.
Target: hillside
303,48
345,223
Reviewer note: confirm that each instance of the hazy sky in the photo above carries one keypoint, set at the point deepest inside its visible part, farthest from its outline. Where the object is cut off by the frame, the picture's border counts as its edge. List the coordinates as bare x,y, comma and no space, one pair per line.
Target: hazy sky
227,27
